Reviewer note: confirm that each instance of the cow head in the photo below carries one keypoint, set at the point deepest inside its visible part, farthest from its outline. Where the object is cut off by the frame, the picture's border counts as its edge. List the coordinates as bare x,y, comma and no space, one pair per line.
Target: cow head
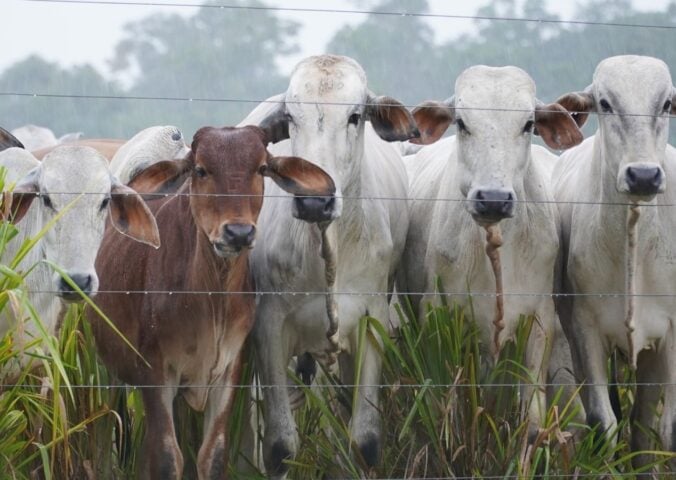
75,183
323,113
633,97
225,168
496,113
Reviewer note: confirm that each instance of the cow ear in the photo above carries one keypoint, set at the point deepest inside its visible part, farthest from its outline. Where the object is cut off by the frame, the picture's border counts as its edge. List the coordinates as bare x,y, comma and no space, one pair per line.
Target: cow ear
162,177
579,104
271,117
298,176
17,202
390,119
7,140
130,215
556,126
433,119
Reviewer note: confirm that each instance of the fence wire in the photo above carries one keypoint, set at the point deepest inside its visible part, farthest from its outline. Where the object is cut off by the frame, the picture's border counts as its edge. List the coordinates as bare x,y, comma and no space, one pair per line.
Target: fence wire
400,13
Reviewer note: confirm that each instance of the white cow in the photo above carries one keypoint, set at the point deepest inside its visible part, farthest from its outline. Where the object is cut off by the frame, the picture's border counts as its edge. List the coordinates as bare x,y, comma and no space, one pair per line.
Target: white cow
73,241
147,147
35,137
331,118
617,178
500,179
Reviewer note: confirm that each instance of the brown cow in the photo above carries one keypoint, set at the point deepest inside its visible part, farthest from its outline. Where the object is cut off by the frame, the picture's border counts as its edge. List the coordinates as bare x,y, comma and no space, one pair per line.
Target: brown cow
191,340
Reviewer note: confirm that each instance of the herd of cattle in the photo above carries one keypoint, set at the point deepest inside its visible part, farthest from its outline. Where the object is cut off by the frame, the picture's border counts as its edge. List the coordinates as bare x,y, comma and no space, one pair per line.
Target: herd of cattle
355,204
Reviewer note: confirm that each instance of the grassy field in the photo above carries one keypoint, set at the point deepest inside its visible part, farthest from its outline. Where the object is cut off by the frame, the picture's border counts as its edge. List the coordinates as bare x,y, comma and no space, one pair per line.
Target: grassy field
64,416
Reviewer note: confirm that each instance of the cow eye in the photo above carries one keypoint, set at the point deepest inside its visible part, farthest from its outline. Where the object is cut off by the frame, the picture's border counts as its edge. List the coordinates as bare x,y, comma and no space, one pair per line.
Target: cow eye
461,126
200,172
528,128
605,106
104,203
46,201
354,119
667,106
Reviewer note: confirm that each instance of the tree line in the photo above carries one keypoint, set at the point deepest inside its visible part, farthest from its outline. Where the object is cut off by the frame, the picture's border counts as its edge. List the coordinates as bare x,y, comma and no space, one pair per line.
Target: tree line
231,54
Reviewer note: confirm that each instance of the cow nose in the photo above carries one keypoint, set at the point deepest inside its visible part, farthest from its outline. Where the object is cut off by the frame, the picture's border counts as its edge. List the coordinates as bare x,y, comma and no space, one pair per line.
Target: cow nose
239,234
644,180
493,204
83,282
315,209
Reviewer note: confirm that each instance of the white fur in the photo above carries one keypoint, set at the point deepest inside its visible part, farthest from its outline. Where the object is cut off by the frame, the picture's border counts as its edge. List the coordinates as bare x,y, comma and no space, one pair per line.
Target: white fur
444,240
594,237
34,137
369,235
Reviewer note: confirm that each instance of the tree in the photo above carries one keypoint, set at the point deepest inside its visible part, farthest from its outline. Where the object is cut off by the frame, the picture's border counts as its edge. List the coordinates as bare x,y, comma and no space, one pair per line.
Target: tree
218,53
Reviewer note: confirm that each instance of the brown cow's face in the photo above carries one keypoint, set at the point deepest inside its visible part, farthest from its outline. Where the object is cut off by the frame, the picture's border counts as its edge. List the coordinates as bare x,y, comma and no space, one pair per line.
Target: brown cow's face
227,186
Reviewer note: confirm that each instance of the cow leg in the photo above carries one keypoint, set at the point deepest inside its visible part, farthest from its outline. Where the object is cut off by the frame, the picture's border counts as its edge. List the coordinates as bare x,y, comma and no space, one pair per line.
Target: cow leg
647,396
667,353
280,441
212,459
534,393
590,359
162,458
365,425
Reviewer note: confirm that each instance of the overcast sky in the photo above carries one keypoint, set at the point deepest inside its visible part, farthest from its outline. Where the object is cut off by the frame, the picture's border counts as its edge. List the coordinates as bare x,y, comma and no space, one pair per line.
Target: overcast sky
79,33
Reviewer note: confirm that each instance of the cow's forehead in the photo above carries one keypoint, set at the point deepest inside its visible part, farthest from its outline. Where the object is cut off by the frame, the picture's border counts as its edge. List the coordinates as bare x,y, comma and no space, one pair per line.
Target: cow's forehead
327,78
632,78
74,169
490,90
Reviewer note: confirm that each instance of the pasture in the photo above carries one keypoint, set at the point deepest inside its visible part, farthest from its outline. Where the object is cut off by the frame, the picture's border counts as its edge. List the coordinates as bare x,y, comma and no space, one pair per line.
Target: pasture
328,289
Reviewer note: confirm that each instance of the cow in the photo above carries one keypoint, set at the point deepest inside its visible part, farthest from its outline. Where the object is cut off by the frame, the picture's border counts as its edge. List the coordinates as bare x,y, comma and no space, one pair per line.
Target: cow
465,187
35,137
329,115
616,227
191,340
73,189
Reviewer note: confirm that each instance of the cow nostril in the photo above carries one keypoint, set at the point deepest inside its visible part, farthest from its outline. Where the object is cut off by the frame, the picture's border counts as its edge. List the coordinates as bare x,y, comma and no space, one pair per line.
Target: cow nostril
631,175
83,282
330,205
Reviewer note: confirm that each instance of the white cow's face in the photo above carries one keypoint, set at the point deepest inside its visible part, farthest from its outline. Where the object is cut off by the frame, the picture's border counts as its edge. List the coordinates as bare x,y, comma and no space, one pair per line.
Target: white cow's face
634,97
495,116
75,183
323,114
496,113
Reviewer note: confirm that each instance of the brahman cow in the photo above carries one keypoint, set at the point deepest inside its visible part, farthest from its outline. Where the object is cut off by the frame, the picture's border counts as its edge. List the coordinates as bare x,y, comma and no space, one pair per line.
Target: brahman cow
35,137
75,191
488,181
191,326
330,116
617,229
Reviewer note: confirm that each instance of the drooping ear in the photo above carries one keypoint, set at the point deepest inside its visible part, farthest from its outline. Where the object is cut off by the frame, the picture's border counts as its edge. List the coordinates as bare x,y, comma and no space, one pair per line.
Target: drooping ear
579,104
130,215
162,177
556,126
7,140
298,176
390,119
433,119
271,117
17,202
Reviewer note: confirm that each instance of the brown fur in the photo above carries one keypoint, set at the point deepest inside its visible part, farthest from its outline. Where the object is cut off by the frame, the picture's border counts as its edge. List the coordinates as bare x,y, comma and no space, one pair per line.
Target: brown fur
188,340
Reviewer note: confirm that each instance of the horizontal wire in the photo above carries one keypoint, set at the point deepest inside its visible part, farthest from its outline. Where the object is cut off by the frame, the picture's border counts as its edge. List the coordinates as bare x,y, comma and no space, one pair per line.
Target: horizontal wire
321,386
299,102
153,196
358,12
369,294
650,474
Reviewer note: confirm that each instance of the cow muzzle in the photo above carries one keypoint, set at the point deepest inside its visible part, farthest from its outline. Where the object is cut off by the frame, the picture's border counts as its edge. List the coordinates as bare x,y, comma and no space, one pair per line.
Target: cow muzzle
314,209
235,237
489,206
68,293
642,179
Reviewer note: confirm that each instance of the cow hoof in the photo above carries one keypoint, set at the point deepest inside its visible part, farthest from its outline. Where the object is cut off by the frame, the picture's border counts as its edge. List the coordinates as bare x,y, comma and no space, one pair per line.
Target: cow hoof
369,448
279,452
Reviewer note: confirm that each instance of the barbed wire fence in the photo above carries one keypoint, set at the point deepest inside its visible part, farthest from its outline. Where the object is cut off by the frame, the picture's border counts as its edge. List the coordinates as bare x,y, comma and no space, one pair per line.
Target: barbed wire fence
470,294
